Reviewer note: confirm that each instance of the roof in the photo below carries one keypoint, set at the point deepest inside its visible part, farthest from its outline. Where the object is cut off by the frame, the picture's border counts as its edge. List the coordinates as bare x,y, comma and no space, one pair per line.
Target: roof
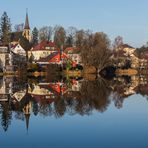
72,50
125,46
13,46
51,57
43,45
27,22
46,59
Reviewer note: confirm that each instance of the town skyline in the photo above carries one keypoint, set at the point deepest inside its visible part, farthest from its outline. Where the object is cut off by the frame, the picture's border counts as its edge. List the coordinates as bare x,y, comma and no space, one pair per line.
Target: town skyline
102,17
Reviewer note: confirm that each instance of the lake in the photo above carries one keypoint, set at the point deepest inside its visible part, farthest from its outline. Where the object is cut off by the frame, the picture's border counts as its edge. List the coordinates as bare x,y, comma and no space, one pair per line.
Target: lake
88,112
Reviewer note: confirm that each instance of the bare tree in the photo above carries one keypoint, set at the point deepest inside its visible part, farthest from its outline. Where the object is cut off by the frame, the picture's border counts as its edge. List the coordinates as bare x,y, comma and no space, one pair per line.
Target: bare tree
45,33
19,27
95,51
59,36
117,42
70,36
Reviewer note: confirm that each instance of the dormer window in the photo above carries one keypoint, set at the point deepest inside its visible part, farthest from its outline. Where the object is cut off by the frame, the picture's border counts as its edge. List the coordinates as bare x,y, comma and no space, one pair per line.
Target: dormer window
47,47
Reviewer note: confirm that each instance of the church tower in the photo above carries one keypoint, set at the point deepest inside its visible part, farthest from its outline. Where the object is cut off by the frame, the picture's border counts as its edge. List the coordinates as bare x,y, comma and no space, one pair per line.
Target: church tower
26,31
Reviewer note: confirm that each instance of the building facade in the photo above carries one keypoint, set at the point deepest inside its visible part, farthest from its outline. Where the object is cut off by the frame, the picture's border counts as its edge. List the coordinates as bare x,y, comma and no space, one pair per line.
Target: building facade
42,50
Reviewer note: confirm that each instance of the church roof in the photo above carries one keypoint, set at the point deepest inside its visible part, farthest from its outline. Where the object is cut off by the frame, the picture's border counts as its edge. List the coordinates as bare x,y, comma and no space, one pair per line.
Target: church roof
27,22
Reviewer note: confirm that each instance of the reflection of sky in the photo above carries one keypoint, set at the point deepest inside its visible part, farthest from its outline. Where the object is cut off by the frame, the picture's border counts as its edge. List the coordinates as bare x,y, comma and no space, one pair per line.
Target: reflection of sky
117,128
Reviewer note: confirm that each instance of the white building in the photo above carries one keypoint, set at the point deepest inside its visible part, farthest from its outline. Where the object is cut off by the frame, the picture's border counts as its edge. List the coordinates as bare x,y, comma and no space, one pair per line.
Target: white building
17,49
42,50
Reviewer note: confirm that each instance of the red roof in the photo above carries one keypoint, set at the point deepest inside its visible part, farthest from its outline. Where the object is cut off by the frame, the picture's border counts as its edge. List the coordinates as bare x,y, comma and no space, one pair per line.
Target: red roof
58,88
46,59
43,45
72,50
53,57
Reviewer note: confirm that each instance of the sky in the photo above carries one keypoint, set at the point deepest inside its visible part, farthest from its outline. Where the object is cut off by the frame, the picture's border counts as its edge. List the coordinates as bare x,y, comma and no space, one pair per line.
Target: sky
127,18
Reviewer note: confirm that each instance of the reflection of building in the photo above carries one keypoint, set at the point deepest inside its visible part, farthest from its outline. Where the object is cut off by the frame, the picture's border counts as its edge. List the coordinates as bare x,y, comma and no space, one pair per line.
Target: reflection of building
49,90
76,85
19,95
5,88
124,87
37,89
5,59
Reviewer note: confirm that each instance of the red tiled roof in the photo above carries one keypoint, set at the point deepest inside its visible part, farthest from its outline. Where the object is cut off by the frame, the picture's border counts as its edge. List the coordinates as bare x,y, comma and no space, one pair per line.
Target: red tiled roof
43,45
54,57
72,50
48,58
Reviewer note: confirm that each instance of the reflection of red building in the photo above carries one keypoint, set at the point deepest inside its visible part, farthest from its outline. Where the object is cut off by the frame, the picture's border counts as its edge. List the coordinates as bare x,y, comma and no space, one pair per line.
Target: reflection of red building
47,93
59,87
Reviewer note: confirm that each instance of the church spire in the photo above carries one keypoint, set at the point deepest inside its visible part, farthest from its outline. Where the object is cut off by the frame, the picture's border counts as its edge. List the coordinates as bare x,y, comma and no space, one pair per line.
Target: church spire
26,31
27,116
27,21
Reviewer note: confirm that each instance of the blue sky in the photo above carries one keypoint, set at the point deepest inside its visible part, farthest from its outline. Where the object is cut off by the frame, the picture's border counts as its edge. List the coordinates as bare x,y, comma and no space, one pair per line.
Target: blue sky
128,18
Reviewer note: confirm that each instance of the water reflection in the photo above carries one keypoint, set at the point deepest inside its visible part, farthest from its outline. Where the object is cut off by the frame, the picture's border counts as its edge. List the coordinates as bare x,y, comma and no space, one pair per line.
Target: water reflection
64,95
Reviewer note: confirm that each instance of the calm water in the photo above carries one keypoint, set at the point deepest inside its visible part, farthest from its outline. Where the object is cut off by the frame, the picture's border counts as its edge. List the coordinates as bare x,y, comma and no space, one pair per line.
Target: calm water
74,112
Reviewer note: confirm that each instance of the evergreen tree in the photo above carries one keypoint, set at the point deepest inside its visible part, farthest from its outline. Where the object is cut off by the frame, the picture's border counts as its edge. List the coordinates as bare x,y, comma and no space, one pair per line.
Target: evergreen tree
6,116
25,43
35,36
5,29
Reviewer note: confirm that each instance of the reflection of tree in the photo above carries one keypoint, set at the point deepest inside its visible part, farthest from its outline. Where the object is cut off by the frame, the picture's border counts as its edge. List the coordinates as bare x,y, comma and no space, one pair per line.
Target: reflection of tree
19,115
6,115
44,110
35,108
96,94
60,107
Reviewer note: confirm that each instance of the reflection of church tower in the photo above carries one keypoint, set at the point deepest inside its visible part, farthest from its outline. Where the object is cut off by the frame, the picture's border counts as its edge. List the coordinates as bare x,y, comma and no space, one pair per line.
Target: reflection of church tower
26,31
27,112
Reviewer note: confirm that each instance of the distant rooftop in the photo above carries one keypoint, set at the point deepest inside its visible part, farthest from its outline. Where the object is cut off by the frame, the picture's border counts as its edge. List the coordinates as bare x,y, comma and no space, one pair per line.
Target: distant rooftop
44,45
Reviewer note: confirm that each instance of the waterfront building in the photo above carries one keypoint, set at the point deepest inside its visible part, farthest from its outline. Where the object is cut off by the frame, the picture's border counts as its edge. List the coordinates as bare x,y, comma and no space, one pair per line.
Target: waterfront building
42,50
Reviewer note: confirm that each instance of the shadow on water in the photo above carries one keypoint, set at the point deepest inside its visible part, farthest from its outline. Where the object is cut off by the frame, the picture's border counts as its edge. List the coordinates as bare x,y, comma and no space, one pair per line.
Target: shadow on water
57,95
